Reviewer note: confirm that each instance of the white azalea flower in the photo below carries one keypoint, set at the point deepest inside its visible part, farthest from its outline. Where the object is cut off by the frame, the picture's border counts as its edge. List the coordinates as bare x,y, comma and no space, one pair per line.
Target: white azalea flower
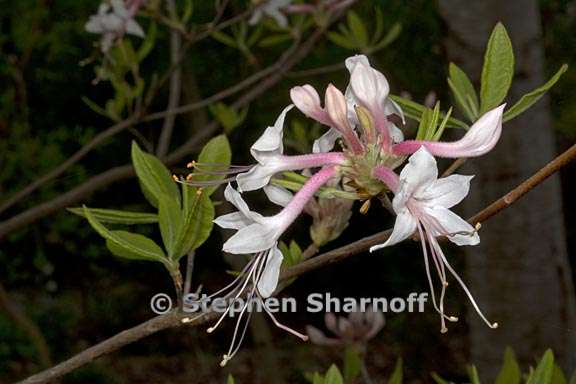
422,203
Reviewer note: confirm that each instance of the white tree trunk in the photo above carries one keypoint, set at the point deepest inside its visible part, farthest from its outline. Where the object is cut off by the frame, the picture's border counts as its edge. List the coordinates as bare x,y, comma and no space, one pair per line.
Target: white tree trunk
520,272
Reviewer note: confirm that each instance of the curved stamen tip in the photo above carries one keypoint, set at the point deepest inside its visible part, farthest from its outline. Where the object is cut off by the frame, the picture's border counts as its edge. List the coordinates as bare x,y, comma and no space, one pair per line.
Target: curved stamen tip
453,319
175,178
186,320
225,360
444,330
210,330
305,338
191,164
494,325
445,283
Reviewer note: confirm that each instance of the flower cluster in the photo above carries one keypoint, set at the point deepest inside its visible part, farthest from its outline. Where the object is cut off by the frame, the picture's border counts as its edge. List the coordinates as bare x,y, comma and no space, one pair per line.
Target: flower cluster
372,147
113,20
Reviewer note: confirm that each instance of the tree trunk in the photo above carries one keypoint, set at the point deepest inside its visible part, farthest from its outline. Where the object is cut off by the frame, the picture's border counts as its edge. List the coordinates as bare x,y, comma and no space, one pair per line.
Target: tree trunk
520,272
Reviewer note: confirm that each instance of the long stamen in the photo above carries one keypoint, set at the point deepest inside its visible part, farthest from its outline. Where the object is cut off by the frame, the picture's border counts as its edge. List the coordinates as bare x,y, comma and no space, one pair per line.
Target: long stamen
464,287
246,281
430,283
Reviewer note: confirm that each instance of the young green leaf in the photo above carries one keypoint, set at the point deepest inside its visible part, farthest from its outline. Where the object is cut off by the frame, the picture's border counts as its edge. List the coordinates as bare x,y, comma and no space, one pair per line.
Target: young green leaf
573,378
510,371
126,244
414,111
543,372
352,365
215,156
463,92
230,380
198,213
154,177
333,376
439,380
341,40
532,97
170,220
113,216
473,375
558,376
498,69
357,28
397,375
148,43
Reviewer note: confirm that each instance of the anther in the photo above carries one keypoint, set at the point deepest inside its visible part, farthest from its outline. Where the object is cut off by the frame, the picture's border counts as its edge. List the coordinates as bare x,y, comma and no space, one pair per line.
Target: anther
444,330
453,319
186,320
191,164
365,207
189,177
175,178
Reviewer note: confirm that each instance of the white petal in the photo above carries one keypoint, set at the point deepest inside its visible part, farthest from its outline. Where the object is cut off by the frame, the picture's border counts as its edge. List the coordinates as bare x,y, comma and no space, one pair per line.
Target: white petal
253,238
234,220
404,227
418,174
119,9
235,198
255,178
256,16
278,195
447,191
133,28
270,143
369,86
352,61
326,142
396,133
94,25
279,17
444,222
392,108
269,279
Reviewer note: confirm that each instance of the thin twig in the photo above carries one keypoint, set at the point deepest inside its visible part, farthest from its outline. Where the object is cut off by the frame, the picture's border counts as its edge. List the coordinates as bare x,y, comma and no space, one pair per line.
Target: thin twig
175,85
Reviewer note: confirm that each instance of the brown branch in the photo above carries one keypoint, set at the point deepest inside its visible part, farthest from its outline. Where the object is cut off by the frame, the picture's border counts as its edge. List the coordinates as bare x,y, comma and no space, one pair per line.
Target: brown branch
174,319
537,178
175,85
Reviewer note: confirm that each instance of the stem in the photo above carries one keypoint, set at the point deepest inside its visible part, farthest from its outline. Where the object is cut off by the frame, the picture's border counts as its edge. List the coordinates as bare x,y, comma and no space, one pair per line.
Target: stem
189,270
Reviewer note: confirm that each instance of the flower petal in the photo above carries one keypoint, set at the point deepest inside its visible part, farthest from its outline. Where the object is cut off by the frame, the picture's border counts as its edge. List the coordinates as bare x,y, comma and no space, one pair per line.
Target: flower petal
269,279
447,191
326,142
254,238
369,85
278,195
444,222
480,139
404,227
255,178
133,28
307,100
270,143
235,198
417,175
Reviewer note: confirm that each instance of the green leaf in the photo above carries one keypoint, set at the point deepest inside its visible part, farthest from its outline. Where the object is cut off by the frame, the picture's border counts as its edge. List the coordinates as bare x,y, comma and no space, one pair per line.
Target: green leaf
230,380
397,375
510,372
317,378
170,220
154,177
573,378
498,69
148,43
224,39
216,154
198,213
333,376
117,217
558,376
352,365
414,111
532,97
473,375
126,244
341,40
357,28
438,380
272,40
392,35
543,372
464,92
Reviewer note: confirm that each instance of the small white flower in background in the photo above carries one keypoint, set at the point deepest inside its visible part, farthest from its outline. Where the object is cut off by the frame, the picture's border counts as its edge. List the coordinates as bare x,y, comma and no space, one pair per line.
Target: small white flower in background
113,20
358,328
270,8
422,202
